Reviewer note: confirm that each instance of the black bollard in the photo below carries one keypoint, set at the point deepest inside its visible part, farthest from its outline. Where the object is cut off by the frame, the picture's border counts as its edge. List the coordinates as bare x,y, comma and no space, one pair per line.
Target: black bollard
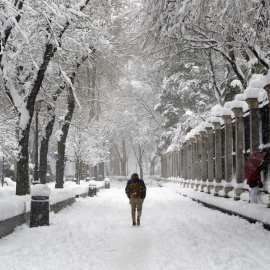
92,189
40,208
107,183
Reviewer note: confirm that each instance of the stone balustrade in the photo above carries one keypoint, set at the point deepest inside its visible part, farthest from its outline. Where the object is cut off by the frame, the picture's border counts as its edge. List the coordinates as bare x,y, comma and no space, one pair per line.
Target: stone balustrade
212,156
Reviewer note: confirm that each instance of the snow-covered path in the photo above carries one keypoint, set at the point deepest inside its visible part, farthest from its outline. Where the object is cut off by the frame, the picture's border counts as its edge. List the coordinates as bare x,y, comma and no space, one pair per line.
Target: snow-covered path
176,233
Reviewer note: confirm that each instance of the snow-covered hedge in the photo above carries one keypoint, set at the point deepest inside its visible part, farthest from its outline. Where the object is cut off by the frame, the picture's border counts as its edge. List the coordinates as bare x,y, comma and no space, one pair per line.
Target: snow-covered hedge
15,210
13,206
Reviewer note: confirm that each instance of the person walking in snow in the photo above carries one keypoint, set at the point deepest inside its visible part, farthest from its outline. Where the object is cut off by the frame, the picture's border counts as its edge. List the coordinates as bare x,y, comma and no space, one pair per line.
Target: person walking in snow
136,192
255,182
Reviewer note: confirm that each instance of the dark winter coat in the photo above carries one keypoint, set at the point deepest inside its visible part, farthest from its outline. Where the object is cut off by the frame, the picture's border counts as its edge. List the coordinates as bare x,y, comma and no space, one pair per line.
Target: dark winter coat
136,188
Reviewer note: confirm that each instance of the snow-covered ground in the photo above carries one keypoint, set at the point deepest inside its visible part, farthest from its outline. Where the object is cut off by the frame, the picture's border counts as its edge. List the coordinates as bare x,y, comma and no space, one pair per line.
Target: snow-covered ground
12,205
175,233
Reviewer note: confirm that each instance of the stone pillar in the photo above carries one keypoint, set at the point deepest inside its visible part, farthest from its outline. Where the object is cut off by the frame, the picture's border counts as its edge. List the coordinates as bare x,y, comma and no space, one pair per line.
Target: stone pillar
185,162
239,147
177,164
174,164
165,162
181,162
189,160
228,154
218,162
267,89
254,124
210,175
170,164
203,160
166,165
193,161
162,166
198,160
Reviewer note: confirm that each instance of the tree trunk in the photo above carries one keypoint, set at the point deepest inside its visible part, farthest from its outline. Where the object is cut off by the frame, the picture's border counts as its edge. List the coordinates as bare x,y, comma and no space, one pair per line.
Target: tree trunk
32,143
152,166
78,169
124,159
107,170
44,146
15,169
82,171
139,158
22,187
96,172
116,165
102,170
123,167
140,163
60,163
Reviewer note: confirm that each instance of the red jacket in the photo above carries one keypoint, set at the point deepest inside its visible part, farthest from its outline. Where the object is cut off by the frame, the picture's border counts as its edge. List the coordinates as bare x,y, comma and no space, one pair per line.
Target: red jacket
255,178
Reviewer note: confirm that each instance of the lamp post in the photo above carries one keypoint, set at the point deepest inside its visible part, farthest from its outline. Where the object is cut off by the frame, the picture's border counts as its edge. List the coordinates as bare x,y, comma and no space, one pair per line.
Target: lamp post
36,169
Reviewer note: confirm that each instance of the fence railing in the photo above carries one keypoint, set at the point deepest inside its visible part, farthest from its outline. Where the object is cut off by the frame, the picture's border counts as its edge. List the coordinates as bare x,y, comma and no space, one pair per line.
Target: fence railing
213,155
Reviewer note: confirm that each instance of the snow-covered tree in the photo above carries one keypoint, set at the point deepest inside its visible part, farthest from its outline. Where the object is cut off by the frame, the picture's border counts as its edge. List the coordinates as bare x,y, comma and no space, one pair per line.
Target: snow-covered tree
32,41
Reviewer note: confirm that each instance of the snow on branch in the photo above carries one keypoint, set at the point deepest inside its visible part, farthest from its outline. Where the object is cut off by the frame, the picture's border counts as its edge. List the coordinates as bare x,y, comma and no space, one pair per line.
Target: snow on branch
18,103
67,79
77,13
81,4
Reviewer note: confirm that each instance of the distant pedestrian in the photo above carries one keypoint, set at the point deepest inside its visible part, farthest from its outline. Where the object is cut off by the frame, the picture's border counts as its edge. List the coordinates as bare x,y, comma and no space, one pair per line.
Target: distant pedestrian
136,192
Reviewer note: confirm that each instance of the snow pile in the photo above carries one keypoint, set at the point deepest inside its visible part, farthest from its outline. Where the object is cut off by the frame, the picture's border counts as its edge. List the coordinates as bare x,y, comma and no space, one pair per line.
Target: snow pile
6,191
259,80
256,86
252,92
9,182
59,195
254,211
236,83
216,111
239,104
79,189
13,206
208,124
40,190
200,128
215,119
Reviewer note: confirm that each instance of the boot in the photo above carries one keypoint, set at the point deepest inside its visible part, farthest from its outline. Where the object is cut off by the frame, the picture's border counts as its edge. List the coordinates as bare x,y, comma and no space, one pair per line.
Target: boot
138,221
